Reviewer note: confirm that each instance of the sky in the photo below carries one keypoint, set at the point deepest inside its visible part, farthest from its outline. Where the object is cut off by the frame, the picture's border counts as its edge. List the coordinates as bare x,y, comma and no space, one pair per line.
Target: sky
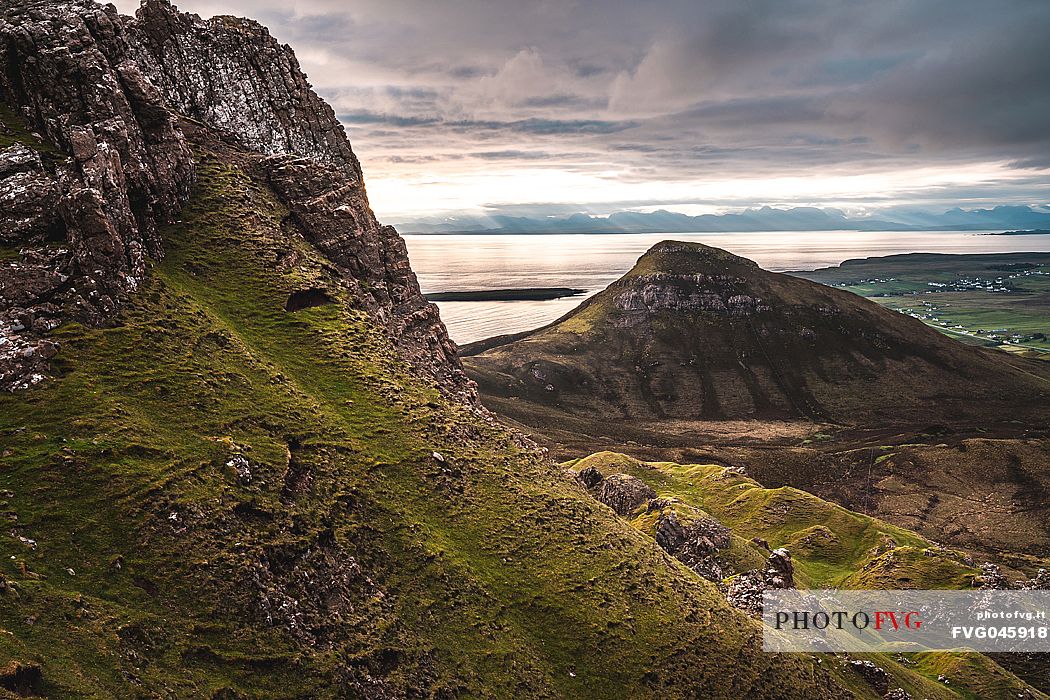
550,107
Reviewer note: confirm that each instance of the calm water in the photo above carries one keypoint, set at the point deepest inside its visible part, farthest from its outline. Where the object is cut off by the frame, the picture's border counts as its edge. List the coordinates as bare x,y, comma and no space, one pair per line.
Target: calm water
592,261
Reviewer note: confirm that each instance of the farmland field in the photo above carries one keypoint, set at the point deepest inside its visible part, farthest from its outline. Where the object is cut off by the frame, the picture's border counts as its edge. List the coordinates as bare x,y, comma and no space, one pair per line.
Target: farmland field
1000,300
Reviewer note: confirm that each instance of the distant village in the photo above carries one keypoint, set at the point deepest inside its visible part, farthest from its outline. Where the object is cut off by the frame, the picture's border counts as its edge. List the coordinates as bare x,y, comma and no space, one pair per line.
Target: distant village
934,313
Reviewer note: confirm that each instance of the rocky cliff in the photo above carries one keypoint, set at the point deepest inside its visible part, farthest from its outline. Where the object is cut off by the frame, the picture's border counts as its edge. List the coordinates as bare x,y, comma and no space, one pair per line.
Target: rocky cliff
97,158
94,161
258,470
229,73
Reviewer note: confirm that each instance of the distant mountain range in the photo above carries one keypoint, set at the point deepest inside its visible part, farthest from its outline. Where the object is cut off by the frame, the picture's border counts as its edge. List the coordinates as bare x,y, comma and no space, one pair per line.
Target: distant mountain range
761,219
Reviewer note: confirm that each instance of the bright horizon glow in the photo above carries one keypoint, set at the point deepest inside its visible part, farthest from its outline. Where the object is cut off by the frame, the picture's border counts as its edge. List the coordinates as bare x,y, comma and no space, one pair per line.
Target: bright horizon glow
413,195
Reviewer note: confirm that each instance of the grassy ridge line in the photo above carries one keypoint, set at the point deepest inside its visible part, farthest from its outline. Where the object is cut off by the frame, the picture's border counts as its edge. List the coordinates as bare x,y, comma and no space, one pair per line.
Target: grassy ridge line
831,547
504,581
546,610
460,546
363,416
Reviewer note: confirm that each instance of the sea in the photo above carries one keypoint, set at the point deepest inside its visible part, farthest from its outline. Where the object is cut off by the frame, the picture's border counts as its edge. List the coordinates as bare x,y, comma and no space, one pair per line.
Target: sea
590,262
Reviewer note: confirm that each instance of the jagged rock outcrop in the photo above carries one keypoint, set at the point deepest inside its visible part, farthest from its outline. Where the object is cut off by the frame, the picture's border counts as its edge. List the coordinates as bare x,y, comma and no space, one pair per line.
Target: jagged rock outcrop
229,73
99,95
589,477
875,675
780,572
28,197
623,493
333,214
684,532
689,535
67,73
694,541
116,165
992,578
745,591
1039,582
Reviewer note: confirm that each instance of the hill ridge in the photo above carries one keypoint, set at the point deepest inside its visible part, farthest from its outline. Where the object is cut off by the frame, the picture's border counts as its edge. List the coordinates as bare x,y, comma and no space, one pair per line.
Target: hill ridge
695,333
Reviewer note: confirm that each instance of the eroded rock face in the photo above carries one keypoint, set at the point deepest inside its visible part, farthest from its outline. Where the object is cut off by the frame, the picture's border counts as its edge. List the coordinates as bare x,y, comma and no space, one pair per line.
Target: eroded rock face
624,493
102,91
117,165
23,358
780,571
1039,582
745,591
710,294
231,74
874,675
68,74
333,214
694,542
992,578
28,198
590,477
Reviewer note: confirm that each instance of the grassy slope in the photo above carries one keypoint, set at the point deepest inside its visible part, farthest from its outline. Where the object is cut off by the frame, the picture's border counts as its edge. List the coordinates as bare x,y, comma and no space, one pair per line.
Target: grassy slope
830,547
497,578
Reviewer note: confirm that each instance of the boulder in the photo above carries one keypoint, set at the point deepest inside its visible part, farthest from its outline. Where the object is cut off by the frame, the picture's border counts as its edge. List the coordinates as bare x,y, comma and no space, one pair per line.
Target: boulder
780,572
991,578
694,543
876,677
745,591
590,477
624,493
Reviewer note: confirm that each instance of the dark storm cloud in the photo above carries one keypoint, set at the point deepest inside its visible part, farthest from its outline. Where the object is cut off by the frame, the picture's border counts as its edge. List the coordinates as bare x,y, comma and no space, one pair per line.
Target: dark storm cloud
365,117
757,111
513,155
527,126
670,90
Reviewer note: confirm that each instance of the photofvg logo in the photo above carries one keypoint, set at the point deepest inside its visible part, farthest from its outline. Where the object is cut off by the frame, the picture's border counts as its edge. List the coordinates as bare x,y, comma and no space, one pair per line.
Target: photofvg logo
926,620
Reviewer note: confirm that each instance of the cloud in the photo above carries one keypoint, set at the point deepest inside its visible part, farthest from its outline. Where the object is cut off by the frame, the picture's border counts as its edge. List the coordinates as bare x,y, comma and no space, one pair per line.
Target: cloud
528,126
678,95
524,76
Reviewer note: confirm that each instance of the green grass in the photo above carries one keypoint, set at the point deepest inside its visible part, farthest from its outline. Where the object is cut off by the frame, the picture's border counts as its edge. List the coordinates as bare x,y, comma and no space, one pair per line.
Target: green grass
830,545
972,675
984,318
903,283
491,575
496,577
